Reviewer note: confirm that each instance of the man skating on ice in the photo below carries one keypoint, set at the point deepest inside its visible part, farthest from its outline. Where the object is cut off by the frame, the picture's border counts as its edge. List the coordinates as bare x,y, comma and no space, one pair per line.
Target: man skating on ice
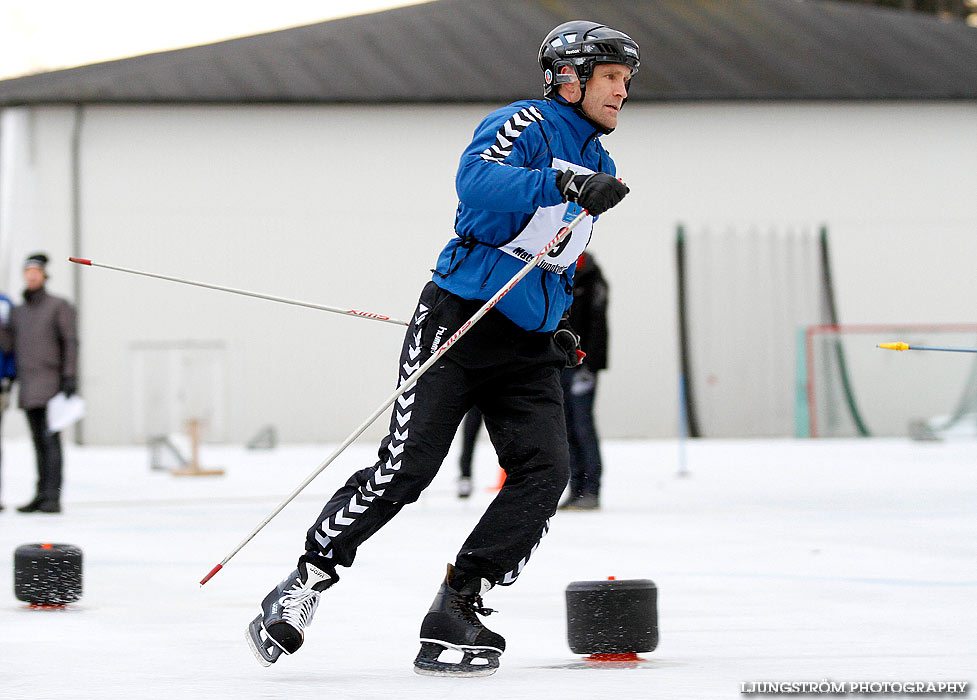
528,171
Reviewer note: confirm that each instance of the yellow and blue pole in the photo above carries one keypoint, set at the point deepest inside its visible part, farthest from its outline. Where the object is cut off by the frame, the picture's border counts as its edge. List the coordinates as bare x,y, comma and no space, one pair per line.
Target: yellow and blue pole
907,346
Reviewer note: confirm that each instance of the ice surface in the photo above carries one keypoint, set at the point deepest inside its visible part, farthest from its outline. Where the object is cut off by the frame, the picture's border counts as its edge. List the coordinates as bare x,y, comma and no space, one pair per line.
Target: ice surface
775,560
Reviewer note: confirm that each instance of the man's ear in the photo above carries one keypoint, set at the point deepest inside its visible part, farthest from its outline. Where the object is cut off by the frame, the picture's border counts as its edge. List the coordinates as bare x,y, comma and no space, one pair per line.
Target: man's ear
570,91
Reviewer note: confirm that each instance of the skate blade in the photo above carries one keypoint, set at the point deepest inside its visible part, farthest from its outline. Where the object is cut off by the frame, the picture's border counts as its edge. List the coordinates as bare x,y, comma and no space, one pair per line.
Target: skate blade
446,671
265,650
427,662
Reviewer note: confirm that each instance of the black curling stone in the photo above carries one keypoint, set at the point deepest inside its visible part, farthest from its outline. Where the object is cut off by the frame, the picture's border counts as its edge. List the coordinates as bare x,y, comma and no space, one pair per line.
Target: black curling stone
47,574
612,617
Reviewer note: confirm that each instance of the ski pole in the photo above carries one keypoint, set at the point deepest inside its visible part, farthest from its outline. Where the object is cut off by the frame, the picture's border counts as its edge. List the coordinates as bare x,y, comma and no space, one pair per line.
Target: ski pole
243,292
407,383
907,346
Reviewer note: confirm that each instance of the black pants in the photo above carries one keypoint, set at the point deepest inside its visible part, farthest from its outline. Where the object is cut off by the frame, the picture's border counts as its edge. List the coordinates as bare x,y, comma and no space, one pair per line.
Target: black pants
579,390
469,433
513,377
47,447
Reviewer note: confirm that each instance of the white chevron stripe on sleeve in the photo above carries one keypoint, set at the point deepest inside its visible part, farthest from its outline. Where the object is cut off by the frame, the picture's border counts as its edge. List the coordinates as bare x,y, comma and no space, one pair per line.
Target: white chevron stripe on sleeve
511,130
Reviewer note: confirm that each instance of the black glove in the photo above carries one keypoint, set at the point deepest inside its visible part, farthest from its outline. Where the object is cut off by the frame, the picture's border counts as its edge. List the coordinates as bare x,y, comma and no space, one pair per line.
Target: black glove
569,343
68,386
595,192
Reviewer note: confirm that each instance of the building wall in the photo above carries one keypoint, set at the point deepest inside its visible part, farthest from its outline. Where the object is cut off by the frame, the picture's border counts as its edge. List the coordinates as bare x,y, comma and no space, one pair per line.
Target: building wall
35,205
349,206
894,183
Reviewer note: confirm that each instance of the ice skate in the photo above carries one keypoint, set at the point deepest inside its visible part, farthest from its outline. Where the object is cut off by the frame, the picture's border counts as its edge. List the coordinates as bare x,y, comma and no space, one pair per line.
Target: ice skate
464,487
286,611
452,626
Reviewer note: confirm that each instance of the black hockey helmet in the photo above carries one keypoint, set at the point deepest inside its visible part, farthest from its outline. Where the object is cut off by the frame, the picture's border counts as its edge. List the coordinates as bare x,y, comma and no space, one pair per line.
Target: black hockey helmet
582,45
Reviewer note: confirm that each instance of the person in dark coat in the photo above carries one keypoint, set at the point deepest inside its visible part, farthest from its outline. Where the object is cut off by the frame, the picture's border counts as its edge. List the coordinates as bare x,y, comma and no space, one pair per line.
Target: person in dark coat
42,333
588,318
7,368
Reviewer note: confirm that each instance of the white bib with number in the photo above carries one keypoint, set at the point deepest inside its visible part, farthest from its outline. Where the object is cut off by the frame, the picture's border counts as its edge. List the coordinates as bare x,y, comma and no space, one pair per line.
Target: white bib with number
546,223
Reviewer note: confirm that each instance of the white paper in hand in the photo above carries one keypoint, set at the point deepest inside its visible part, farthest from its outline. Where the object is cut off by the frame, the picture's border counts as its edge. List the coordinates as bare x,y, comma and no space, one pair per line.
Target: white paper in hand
64,411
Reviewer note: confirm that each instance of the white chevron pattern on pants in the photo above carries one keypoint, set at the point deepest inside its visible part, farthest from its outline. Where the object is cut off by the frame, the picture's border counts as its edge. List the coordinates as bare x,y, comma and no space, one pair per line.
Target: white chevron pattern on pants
511,576
359,503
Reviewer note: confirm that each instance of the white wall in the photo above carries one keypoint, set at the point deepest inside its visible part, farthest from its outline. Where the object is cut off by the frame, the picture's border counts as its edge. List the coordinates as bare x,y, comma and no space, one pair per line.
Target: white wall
895,183
35,205
349,206
345,207
35,191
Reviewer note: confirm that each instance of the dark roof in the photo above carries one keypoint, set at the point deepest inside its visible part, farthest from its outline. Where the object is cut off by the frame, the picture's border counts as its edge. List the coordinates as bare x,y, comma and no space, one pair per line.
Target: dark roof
485,51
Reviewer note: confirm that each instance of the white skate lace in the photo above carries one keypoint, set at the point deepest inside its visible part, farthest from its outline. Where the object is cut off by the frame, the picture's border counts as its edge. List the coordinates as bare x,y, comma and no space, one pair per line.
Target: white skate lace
299,605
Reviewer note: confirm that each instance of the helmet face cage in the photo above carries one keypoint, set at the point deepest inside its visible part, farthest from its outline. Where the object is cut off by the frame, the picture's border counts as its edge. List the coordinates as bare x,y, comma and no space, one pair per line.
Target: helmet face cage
582,45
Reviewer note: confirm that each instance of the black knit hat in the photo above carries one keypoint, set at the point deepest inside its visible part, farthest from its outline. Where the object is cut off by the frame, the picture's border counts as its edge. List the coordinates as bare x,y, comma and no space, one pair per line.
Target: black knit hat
36,260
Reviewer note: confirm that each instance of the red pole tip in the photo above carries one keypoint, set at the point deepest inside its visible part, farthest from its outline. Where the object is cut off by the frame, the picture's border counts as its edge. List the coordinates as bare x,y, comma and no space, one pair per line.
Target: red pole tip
209,576
80,261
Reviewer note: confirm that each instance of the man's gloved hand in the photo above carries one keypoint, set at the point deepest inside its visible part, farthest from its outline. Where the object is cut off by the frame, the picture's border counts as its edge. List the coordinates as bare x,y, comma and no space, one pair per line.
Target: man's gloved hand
68,386
569,343
595,192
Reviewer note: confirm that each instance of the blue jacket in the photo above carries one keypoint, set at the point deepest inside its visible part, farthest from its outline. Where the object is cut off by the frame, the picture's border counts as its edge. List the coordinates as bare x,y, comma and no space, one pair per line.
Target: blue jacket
510,207
7,368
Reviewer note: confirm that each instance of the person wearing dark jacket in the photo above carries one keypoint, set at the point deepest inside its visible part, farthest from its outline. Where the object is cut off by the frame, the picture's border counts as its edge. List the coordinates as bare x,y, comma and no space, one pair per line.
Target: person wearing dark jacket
588,318
42,333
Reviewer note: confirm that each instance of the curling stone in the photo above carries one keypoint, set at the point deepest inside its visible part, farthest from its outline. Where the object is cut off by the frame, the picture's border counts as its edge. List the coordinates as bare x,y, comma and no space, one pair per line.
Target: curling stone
612,620
47,575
